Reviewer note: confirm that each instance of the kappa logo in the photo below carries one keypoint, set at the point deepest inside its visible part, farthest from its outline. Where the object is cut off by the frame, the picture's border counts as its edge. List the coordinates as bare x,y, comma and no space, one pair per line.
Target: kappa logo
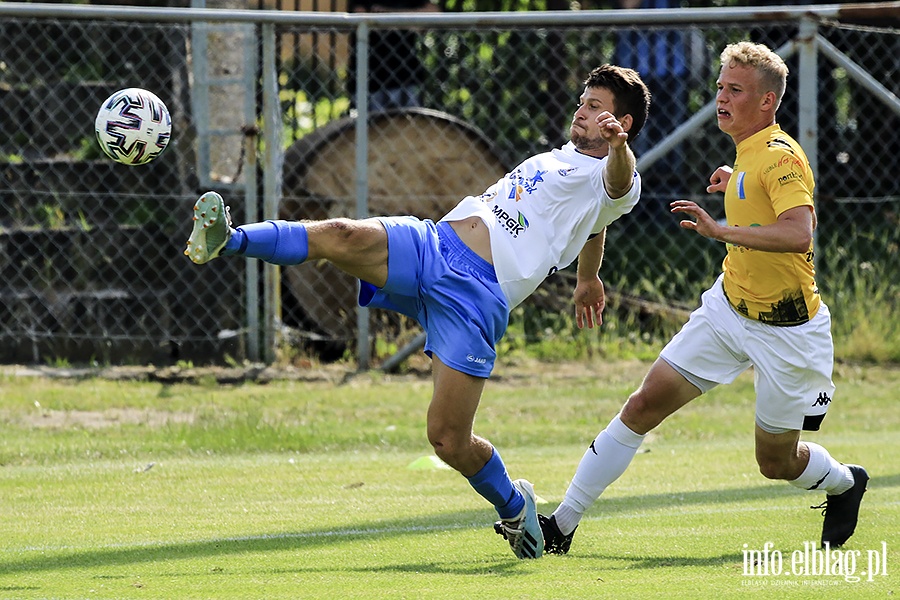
780,143
822,400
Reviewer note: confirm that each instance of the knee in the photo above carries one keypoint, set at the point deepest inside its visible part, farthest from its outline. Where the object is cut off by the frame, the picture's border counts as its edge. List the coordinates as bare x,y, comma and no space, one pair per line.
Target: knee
343,240
639,413
451,448
341,230
774,469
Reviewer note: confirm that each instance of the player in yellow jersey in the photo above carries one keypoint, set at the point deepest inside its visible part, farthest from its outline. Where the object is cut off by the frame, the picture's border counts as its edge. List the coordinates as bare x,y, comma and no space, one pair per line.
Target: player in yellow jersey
764,311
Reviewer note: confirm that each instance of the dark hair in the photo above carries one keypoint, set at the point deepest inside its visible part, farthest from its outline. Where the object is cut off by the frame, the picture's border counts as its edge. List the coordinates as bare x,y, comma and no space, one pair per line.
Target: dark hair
630,93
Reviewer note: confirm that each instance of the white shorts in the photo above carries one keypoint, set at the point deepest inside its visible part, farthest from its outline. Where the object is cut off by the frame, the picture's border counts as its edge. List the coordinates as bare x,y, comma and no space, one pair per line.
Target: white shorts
792,365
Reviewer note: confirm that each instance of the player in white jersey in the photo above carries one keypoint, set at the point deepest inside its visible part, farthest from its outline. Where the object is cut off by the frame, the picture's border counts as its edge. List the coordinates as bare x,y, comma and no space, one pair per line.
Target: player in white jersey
764,311
460,277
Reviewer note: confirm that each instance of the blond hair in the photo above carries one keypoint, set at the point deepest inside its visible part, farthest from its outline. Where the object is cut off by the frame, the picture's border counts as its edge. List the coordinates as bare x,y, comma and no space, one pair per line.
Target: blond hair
771,68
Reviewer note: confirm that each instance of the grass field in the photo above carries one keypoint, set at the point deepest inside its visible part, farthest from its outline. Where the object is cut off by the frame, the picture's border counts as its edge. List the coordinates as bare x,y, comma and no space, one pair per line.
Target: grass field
303,489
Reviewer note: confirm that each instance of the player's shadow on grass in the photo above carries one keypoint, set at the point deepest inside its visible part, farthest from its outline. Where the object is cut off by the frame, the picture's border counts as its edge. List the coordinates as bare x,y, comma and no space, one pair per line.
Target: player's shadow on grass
50,560
505,562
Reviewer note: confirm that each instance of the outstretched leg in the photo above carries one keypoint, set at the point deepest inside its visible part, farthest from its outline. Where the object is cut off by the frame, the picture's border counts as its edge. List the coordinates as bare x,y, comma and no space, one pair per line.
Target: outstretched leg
357,247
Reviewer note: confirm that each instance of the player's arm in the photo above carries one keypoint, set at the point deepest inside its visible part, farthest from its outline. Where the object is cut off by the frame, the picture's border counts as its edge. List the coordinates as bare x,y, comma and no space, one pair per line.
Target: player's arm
589,296
791,232
618,174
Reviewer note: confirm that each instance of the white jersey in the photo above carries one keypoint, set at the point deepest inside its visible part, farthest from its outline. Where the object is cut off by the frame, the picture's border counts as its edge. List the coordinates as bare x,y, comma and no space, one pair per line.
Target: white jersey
541,214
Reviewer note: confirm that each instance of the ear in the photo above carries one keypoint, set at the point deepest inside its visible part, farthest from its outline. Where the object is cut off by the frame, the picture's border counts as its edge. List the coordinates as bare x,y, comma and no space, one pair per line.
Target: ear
769,102
626,121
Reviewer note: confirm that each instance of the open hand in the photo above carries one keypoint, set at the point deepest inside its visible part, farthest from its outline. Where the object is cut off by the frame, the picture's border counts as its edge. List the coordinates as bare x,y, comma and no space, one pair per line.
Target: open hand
590,300
703,224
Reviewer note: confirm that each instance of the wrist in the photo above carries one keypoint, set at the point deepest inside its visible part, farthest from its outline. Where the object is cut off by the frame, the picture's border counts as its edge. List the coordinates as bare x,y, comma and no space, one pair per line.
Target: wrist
724,233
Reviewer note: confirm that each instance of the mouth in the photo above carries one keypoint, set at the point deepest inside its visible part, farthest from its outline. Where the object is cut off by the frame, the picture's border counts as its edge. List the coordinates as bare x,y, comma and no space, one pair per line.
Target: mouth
722,113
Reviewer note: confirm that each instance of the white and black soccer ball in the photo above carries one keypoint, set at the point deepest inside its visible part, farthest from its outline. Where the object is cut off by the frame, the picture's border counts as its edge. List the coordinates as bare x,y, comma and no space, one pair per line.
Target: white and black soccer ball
133,126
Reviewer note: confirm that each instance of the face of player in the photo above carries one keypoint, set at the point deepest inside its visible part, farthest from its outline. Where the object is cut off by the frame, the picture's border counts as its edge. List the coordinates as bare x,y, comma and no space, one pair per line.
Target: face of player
742,108
584,131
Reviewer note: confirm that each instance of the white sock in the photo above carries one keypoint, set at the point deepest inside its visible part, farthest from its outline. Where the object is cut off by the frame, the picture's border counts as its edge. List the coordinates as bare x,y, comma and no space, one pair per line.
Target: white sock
823,473
602,463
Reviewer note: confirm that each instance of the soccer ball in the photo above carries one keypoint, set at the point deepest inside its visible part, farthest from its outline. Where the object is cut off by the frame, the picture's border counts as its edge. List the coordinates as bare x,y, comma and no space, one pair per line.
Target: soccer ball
133,126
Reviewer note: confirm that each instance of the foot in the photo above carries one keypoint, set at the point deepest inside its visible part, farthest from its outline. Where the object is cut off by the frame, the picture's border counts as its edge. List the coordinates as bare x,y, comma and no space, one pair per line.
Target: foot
555,541
523,532
842,511
212,228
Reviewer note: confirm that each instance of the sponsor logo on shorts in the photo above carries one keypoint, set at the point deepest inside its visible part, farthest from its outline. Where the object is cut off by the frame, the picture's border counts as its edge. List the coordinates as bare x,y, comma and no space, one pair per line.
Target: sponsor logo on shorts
476,359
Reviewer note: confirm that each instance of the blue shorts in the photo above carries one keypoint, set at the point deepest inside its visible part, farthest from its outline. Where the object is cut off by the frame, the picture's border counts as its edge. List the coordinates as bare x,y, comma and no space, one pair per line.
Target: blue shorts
434,278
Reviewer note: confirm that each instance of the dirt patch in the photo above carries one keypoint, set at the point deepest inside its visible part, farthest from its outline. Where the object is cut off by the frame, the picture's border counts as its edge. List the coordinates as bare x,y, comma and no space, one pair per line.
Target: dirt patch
95,419
523,371
252,373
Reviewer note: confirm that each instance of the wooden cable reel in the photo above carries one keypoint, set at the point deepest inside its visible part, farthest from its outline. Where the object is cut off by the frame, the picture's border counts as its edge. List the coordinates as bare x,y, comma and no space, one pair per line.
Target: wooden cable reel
422,162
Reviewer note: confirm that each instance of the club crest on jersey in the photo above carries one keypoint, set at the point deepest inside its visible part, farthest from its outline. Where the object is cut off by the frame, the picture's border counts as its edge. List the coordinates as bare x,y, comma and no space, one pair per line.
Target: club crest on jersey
566,172
742,194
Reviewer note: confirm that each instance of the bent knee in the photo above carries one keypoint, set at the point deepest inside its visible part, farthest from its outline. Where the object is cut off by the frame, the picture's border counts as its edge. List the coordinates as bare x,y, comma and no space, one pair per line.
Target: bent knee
774,469
641,414
450,448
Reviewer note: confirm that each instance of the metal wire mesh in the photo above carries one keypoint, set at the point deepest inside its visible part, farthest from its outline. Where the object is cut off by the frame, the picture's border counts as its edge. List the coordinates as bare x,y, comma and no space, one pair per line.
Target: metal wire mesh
90,250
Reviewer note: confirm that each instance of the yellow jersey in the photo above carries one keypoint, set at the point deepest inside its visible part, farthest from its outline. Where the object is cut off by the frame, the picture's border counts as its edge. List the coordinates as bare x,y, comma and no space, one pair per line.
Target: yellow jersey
771,175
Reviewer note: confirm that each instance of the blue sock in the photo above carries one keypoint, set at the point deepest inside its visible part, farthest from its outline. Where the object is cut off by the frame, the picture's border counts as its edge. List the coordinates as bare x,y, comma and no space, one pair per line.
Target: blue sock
495,486
276,242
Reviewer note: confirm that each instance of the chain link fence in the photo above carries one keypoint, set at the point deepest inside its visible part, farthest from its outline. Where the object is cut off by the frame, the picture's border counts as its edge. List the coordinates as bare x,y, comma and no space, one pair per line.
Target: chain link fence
91,251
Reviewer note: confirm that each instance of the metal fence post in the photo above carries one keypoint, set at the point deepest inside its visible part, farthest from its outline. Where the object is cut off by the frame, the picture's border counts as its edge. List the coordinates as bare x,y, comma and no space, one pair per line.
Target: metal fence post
272,178
808,104
362,172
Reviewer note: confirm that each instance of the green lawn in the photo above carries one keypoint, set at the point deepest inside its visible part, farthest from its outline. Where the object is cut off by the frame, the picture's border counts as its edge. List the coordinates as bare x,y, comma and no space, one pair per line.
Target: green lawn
293,489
